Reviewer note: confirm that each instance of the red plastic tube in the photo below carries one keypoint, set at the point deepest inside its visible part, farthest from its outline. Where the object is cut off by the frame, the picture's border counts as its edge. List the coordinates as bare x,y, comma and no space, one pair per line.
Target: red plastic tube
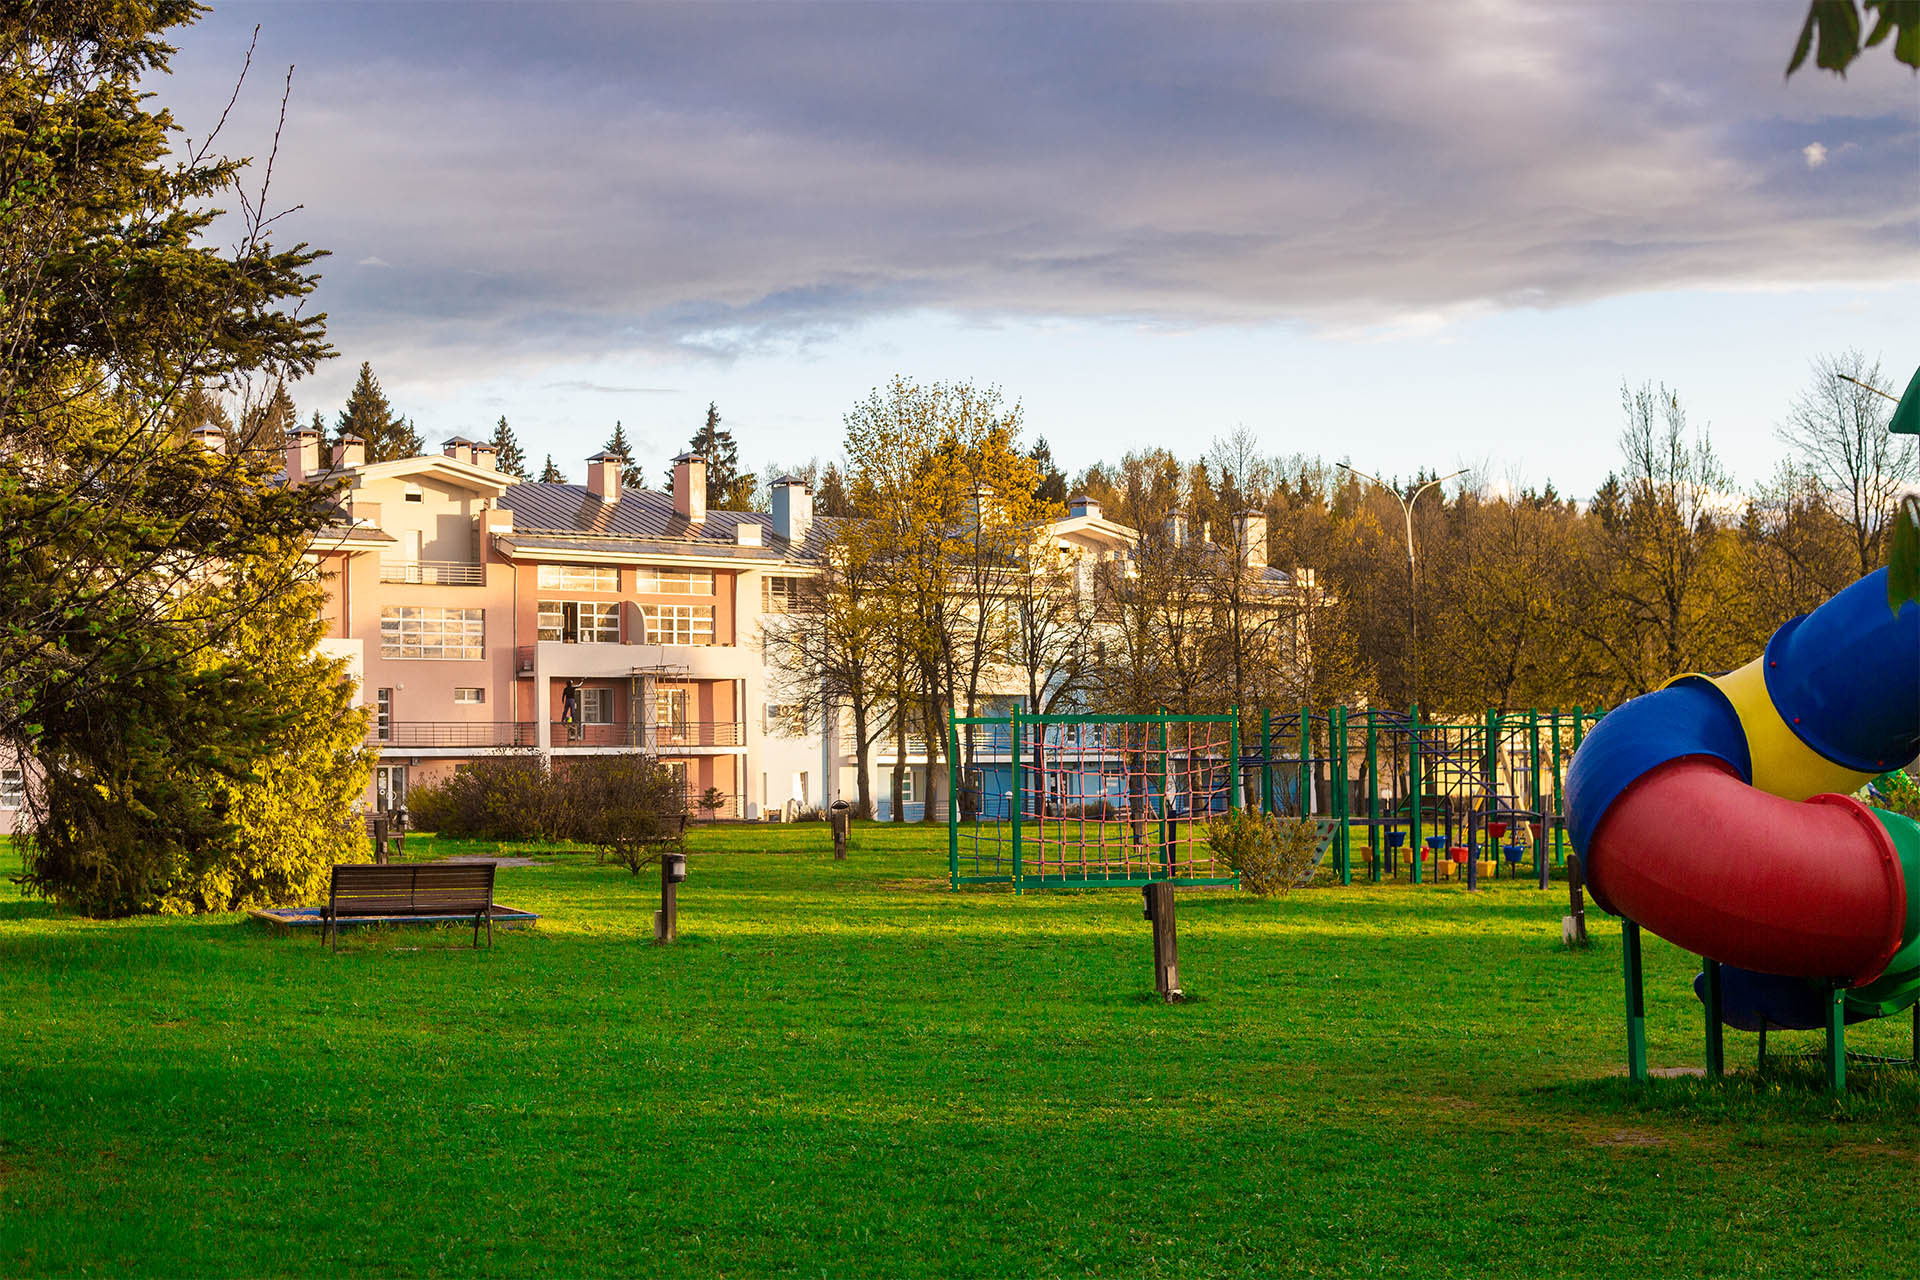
1810,890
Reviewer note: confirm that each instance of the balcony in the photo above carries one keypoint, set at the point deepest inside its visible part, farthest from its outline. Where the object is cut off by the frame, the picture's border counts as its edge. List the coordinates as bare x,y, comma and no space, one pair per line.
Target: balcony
686,735
434,573
453,735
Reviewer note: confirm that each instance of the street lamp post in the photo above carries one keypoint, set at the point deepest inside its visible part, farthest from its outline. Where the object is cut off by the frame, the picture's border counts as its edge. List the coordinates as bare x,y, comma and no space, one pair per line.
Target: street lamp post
1413,578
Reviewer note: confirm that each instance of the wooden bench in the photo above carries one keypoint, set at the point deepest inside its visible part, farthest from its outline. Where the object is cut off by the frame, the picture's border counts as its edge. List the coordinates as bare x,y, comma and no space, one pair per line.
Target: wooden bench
420,893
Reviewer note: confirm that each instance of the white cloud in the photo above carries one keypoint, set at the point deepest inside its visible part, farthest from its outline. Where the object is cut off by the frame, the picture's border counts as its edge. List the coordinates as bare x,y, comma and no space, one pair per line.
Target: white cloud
373,262
1815,153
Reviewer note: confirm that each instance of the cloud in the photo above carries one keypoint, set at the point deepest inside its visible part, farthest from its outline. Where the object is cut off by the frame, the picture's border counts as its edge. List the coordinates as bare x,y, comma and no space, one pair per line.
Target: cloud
373,262
1815,153
597,388
587,181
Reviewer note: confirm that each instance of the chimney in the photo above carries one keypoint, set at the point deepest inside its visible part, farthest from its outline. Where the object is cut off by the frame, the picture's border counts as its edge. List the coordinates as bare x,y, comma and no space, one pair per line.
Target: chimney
460,449
1176,527
349,451
210,438
1250,539
690,487
792,509
603,476
483,456
1081,507
747,534
303,454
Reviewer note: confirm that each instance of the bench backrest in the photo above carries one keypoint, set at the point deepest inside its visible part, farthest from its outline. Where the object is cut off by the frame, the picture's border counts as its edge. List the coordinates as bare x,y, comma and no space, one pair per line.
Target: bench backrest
365,889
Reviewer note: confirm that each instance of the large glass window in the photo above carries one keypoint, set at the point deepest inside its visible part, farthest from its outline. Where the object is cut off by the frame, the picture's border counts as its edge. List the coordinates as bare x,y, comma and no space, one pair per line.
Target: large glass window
670,709
596,706
13,789
579,577
429,631
673,582
678,623
579,621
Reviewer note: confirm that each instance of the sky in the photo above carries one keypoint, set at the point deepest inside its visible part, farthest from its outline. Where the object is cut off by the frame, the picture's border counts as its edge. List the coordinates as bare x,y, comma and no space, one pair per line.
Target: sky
1410,235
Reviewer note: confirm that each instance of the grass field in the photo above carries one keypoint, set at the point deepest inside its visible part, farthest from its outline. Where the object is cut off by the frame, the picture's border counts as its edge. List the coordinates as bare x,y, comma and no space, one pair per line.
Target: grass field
843,1068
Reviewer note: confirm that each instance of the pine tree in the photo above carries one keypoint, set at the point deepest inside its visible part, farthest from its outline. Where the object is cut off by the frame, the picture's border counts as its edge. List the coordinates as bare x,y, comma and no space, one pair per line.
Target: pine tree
369,416
199,407
264,427
728,488
506,451
1053,481
631,476
832,499
551,474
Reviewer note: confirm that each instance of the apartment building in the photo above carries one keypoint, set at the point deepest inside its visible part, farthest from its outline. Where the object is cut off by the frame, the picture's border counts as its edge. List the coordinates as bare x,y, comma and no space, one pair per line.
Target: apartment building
481,614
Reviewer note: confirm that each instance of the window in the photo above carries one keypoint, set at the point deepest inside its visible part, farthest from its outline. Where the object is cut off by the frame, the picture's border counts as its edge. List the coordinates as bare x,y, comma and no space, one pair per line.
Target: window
670,708
673,582
469,697
678,768
596,706
429,631
906,786
414,495
13,789
784,719
579,621
777,593
383,715
678,623
579,577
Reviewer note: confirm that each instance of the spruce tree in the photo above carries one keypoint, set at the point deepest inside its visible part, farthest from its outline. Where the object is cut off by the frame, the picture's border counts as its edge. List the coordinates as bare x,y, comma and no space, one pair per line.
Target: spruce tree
369,416
1053,481
831,498
264,427
630,473
551,474
728,488
506,451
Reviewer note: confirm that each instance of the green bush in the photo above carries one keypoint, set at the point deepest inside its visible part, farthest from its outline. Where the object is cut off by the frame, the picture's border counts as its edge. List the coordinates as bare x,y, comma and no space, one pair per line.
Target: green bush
507,797
1899,793
630,808
1269,853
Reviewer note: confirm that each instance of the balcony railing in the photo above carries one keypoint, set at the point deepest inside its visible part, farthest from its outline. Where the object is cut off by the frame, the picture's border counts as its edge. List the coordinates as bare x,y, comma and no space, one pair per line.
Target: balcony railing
437,573
454,734
654,737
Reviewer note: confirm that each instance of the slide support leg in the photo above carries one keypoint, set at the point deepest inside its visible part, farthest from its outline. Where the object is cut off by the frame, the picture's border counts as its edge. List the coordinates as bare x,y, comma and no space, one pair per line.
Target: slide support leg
1836,1054
1716,1039
1636,1001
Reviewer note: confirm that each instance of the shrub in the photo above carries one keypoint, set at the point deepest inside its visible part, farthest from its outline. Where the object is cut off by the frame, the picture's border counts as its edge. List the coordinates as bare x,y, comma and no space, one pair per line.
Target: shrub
1898,793
508,797
1269,853
630,808
713,799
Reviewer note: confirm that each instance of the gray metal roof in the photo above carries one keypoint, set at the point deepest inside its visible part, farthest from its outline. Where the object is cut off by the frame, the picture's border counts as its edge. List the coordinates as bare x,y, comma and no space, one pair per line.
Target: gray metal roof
569,517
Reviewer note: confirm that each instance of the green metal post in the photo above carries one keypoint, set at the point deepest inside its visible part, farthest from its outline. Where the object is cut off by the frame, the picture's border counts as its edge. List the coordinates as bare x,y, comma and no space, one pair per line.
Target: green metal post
1539,801
1013,756
1337,779
1716,1040
1239,774
1266,759
1373,793
1558,825
1836,1054
1414,843
1493,790
953,805
1636,1000
1306,761
1166,817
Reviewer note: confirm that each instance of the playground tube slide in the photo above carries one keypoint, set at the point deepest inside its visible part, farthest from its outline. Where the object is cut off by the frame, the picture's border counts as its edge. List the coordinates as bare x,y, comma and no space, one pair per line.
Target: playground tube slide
1716,812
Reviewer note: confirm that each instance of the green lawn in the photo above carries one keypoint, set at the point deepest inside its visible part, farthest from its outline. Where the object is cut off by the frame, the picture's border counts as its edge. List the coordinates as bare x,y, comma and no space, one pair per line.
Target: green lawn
844,1068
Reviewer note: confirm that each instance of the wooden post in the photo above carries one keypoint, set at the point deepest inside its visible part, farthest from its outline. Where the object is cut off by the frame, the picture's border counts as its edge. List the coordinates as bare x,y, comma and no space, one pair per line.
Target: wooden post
666,921
379,825
1574,930
1166,942
842,819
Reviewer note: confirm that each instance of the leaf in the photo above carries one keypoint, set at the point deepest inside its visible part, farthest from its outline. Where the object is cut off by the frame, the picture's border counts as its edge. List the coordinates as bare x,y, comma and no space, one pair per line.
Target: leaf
1903,561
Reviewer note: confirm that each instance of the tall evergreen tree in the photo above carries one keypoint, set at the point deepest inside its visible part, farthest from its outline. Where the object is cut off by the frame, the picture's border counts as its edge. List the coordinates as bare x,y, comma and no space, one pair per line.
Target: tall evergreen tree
506,451
1053,481
832,499
728,488
551,474
369,416
200,407
631,477
264,427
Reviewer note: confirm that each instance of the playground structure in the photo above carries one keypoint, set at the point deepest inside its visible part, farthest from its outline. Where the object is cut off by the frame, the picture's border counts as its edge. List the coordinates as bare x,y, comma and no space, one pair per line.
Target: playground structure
1080,800
1716,811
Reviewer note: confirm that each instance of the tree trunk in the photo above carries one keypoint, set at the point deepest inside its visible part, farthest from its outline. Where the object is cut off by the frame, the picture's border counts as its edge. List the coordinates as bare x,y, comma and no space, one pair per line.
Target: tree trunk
862,759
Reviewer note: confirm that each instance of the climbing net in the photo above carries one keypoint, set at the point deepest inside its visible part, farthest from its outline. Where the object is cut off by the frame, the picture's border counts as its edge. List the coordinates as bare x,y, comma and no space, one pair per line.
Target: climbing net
1060,801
